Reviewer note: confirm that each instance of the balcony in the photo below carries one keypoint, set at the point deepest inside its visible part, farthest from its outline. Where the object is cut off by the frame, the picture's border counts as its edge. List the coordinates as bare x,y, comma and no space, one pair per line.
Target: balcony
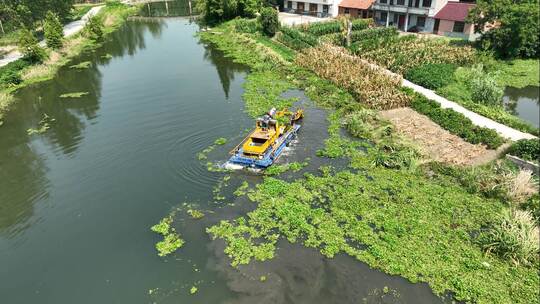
402,9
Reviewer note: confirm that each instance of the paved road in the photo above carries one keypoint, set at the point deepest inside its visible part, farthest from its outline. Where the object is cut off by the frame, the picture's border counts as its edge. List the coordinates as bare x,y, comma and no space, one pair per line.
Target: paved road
476,119
69,30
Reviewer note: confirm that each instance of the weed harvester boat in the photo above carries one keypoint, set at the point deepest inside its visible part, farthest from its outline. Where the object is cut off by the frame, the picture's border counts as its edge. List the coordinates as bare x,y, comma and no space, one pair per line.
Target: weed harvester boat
264,145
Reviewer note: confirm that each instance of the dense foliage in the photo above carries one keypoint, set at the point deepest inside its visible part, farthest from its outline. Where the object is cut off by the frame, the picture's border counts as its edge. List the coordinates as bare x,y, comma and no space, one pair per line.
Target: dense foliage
29,47
380,216
399,54
54,31
323,28
296,39
269,21
528,149
94,28
515,33
216,11
456,123
431,76
368,84
515,236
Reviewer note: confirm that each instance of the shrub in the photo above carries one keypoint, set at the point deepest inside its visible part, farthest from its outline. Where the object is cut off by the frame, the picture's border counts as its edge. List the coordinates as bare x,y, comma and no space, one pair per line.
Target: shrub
54,32
514,237
456,123
269,21
431,75
94,28
323,28
10,77
486,90
30,48
369,85
528,149
249,26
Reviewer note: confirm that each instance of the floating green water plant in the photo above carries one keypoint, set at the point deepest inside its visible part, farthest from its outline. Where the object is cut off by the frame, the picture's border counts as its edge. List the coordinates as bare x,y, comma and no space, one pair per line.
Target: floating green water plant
278,169
220,141
82,65
193,290
196,214
44,125
74,95
171,239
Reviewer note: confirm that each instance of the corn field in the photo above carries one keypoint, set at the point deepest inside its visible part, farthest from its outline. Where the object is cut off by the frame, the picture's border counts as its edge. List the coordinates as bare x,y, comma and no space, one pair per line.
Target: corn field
370,84
400,55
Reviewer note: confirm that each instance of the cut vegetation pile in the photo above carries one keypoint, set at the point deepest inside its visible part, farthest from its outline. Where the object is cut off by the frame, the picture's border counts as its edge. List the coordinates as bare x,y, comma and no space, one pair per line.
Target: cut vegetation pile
369,84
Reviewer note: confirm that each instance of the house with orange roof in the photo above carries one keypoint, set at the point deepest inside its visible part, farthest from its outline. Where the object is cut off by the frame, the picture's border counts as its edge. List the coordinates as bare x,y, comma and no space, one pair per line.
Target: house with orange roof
356,8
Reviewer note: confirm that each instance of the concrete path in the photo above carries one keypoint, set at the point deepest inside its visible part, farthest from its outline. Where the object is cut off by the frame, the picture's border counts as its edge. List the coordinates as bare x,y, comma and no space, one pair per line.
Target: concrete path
296,19
476,119
70,29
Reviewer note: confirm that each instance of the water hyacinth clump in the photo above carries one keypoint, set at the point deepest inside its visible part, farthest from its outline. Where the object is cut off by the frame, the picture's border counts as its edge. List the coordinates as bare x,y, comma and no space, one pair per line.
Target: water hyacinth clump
171,239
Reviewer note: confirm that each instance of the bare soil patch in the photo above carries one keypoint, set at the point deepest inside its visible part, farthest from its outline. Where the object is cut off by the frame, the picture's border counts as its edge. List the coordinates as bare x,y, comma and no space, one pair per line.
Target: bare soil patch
435,142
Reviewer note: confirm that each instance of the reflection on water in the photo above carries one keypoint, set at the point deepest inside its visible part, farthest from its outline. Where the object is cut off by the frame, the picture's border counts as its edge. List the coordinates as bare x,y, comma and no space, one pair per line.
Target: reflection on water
22,171
524,103
225,72
173,8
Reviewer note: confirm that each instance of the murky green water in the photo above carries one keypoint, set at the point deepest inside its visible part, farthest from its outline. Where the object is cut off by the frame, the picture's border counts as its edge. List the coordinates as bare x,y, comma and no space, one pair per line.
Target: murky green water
524,103
76,202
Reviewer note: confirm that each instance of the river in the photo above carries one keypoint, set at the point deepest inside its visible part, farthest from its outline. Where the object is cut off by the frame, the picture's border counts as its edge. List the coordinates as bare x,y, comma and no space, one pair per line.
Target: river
77,202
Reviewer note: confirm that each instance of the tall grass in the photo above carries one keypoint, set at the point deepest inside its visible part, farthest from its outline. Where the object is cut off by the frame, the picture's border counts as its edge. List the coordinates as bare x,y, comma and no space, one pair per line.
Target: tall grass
515,237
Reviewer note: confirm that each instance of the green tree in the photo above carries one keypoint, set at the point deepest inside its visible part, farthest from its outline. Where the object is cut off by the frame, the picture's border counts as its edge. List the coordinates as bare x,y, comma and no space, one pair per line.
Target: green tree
94,28
216,11
269,21
54,32
30,48
514,27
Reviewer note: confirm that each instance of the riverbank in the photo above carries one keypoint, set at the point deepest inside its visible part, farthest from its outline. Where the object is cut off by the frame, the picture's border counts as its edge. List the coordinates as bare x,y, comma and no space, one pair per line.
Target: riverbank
384,209
113,14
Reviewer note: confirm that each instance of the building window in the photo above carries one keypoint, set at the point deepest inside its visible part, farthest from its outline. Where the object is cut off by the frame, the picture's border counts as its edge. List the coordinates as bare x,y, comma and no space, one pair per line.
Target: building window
400,2
346,11
289,4
458,27
384,16
325,8
426,3
383,1
420,21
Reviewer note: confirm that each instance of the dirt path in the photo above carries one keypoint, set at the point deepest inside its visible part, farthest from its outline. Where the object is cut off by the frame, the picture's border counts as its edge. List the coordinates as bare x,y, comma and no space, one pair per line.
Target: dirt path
435,142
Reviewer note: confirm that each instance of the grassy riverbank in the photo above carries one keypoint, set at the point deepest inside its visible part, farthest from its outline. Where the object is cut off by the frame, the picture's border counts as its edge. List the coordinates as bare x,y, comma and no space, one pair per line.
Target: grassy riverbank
113,14
384,210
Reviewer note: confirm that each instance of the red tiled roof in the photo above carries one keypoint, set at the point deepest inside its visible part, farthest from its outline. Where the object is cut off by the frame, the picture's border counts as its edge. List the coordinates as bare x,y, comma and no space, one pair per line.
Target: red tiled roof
359,4
454,11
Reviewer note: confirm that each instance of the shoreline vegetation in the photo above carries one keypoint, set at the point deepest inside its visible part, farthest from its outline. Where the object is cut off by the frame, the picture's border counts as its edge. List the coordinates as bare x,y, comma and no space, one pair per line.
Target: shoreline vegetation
389,203
114,14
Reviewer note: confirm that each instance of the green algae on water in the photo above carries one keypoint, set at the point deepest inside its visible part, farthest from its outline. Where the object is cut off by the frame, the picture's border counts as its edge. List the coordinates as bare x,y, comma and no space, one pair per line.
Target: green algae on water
81,66
74,95
44,125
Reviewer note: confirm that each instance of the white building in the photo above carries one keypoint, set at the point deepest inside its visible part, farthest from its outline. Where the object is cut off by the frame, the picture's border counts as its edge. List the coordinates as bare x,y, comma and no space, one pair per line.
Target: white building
408,15
317,8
